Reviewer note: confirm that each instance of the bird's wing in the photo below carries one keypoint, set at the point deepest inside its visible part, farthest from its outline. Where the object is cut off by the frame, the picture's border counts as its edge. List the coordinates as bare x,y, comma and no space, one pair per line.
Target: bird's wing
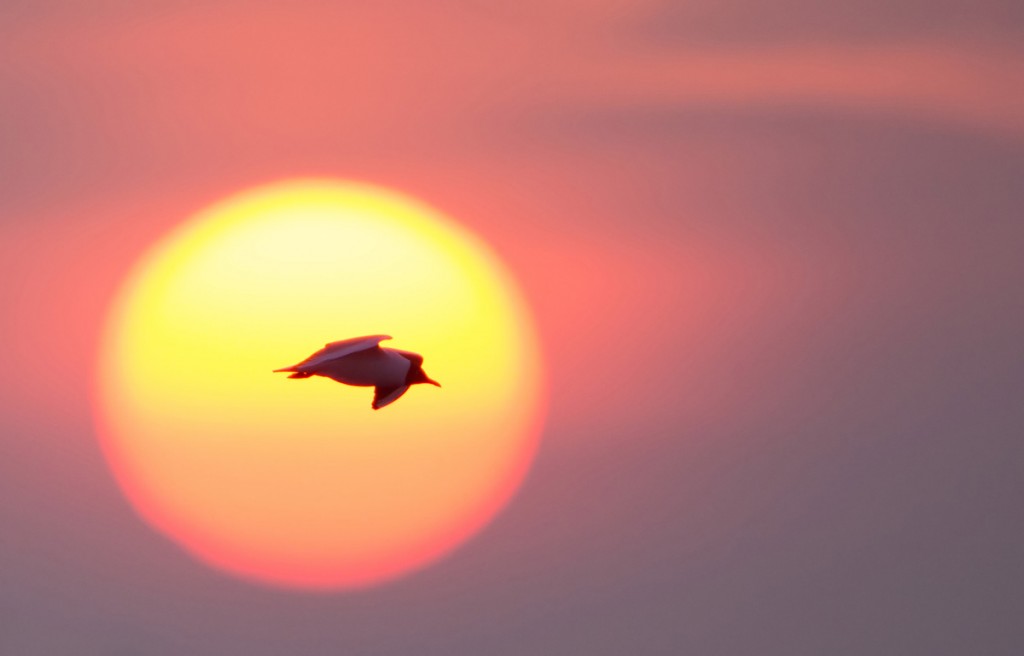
336,350
385,395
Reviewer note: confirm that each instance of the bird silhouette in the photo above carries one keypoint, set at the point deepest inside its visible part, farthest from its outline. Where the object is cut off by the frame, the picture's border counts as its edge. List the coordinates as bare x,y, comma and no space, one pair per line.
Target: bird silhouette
361,361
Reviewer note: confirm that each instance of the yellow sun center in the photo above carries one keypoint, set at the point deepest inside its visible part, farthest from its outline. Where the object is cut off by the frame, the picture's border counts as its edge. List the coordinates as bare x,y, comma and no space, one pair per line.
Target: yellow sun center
300,482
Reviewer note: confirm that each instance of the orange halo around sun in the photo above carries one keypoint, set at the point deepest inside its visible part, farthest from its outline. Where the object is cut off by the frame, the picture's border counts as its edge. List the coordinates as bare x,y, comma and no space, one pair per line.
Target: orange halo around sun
300,482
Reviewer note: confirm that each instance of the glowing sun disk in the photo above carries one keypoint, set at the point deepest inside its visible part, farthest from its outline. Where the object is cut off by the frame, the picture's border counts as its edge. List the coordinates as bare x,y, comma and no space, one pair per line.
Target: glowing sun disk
299,482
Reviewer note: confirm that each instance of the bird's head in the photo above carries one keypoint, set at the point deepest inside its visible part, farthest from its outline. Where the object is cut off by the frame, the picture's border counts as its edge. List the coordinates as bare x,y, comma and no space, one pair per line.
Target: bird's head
417,375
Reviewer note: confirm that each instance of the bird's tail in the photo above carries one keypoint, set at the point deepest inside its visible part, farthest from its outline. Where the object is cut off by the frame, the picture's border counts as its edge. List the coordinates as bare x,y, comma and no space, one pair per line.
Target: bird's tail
297,374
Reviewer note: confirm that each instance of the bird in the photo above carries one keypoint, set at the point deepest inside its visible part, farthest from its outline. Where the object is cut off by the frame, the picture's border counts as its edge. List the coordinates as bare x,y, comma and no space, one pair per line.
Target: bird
361,361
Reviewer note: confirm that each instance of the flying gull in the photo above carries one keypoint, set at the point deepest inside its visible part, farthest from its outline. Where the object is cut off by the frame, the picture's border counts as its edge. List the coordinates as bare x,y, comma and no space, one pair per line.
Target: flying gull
361,361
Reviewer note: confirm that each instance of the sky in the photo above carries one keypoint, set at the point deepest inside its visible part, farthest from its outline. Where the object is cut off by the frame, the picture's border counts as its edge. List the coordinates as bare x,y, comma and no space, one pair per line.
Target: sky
773,252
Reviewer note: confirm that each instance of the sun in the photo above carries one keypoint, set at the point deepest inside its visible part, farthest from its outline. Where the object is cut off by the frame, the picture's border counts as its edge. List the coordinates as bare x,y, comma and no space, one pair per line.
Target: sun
299,482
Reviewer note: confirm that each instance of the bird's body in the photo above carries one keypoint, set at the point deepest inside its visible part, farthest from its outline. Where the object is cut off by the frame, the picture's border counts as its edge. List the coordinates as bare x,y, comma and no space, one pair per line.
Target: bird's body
362,362
371,367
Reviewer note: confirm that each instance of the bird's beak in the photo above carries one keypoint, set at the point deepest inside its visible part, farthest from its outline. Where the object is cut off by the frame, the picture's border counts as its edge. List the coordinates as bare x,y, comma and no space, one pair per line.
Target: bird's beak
433,382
